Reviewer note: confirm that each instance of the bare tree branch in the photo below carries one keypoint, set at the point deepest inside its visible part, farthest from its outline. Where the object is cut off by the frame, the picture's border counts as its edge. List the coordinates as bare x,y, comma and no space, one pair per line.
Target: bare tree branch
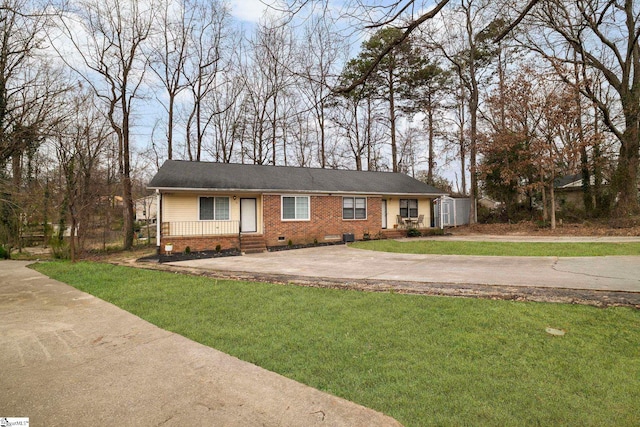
408,30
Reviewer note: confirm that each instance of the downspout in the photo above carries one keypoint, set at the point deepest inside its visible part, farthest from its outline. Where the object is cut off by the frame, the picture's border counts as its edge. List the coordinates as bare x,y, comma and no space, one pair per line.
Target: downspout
158,219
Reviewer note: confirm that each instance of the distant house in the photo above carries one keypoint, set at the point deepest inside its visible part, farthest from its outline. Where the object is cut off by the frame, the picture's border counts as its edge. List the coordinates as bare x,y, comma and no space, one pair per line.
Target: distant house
146,209
568,191
207,205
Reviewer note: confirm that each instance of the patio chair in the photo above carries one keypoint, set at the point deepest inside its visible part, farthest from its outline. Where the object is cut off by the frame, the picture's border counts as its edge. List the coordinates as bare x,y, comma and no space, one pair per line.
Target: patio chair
400,221
420,220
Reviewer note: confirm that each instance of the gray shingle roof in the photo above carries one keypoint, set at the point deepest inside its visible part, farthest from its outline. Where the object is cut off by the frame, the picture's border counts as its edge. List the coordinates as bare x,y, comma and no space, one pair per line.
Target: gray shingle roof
564,181
185,175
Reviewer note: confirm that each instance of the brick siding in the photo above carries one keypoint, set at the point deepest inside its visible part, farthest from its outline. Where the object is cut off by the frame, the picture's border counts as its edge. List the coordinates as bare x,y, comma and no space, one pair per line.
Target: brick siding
200,243
325,221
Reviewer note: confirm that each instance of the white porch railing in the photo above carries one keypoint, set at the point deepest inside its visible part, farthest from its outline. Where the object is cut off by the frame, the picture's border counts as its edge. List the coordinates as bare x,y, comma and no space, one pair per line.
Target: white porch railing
200,228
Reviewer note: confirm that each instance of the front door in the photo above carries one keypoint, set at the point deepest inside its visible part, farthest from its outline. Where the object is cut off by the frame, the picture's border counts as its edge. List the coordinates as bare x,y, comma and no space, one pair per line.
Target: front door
248,221
384,214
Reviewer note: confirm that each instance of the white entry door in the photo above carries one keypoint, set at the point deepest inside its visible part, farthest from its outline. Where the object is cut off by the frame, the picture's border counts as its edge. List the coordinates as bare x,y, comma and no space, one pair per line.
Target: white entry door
248,221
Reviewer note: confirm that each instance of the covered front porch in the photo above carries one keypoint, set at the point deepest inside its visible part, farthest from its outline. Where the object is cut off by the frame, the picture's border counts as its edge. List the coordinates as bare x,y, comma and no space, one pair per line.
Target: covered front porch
406,213
200,228
209,235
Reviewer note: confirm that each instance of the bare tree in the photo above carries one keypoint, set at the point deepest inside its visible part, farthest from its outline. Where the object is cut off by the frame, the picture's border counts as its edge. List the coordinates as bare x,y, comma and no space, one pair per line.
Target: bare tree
29,88
464,52
109,46
323,47
357,118
226,106
20,29
269,81
602,36
168,55
79,141
205,63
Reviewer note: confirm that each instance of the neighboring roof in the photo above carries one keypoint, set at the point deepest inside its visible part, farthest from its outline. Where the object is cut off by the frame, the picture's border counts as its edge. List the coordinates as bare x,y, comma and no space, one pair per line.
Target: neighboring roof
573,181
568,181
185,175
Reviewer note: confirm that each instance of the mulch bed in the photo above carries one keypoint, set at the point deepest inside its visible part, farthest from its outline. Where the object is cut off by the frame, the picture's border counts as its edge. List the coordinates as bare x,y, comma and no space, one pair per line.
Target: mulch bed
310,245
183,256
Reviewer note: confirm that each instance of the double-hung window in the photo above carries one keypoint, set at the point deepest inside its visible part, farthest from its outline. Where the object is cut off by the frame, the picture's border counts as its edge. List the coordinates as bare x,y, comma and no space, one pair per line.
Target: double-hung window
214,208
409,208
295,208
354,208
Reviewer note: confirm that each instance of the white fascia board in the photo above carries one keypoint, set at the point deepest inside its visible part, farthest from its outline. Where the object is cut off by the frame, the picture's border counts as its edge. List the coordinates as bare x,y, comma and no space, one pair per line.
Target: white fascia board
271,191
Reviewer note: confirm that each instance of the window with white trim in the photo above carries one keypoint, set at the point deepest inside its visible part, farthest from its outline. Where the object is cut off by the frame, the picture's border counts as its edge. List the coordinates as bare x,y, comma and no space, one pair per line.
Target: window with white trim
354,208
214,208
409,208
295,207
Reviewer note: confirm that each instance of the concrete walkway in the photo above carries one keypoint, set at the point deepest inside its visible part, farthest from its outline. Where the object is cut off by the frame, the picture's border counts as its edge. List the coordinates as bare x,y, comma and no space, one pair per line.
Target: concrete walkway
68,358
610,273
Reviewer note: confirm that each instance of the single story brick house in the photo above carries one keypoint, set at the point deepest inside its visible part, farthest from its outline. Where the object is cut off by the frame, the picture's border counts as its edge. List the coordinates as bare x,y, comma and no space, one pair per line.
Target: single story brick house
205,205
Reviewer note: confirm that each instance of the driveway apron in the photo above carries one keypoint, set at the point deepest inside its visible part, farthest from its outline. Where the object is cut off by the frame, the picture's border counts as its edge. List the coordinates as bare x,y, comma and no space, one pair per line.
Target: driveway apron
609,273
68,358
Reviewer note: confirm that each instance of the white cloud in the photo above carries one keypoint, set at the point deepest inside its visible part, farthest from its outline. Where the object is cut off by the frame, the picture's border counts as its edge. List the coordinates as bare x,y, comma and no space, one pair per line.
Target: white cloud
249,10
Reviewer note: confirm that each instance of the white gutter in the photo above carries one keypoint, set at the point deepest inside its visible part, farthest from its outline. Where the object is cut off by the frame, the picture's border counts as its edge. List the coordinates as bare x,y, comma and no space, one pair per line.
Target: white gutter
271,191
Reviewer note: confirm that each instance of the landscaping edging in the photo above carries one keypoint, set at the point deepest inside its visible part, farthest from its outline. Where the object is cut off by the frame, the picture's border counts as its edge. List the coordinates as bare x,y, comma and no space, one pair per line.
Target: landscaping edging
497,292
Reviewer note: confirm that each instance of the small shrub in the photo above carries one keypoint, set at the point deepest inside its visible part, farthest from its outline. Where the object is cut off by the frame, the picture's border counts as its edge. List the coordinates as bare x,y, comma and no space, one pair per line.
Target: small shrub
218,248
290,243
413,232
315,241
434,232
60,249
187,250
4,253
488,216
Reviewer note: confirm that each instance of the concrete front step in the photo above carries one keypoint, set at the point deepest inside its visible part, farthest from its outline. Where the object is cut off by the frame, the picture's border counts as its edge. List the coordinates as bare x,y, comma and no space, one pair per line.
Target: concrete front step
253,244
254,250
394,234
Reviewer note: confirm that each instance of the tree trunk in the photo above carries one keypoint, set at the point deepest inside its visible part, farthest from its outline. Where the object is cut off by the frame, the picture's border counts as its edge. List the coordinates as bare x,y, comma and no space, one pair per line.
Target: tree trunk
170,127
392,119
431,139
461,142
473,188
323,154
545,211
72,238
127,196
625,182
552,195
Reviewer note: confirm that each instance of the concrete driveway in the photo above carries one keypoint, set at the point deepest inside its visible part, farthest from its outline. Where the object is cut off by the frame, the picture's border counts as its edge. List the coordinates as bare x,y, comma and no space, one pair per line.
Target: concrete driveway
68,358
610,273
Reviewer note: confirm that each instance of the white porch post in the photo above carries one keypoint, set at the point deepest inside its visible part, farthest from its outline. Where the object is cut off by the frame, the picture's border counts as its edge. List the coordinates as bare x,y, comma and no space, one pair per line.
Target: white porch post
158,217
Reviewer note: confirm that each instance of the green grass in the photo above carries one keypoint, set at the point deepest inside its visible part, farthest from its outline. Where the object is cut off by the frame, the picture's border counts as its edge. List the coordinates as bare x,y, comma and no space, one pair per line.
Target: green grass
423,360
500,248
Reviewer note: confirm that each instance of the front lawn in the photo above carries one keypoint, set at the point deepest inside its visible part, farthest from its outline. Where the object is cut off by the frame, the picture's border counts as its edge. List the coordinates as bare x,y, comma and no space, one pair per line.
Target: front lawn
501,248
423,360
